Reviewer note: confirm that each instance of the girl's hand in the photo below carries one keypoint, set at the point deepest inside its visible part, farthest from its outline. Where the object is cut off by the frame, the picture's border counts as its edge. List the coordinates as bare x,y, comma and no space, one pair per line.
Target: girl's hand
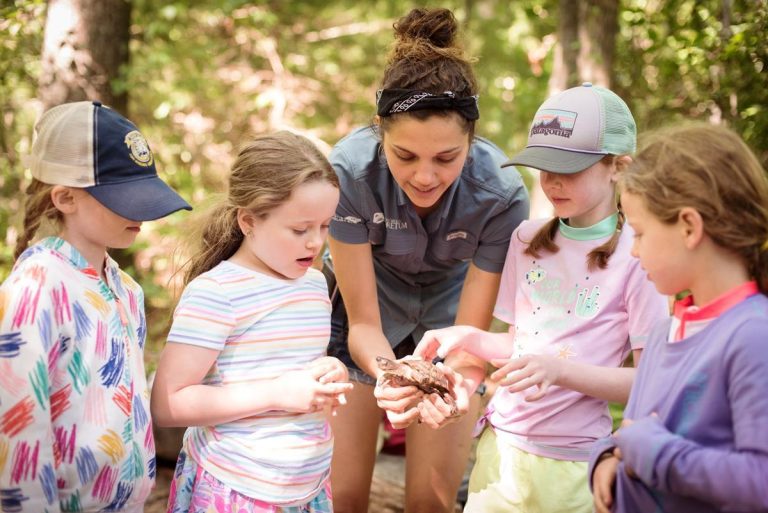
301,391
438,343
604,481
334,370
617,451
399,403
435,412
526,371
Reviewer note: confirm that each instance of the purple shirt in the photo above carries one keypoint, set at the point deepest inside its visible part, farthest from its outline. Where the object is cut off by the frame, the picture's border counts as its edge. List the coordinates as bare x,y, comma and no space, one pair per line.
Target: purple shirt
707,448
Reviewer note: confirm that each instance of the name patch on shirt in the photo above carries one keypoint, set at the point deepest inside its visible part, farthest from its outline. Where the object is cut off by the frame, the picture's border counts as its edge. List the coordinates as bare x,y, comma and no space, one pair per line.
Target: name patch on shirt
459,234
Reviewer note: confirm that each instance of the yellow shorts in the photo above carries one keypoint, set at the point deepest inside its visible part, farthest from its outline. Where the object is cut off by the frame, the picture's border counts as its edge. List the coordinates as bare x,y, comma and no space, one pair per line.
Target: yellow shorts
506,479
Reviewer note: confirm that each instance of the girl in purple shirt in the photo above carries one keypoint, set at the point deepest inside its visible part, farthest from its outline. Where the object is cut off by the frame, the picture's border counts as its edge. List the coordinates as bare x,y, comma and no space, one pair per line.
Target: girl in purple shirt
695,436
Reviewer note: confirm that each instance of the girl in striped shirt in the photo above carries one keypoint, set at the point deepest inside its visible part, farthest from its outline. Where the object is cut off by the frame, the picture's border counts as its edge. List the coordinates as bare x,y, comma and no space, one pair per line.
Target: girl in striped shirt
245,365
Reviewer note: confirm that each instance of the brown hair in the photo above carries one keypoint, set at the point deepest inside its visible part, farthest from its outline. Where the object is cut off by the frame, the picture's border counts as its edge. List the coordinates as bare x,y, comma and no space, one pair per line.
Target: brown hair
266,171
544,240
427,56
711,169
38,207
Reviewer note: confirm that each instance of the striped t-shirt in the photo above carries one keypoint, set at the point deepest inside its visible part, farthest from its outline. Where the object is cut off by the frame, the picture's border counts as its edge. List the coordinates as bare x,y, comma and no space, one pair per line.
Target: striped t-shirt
263,327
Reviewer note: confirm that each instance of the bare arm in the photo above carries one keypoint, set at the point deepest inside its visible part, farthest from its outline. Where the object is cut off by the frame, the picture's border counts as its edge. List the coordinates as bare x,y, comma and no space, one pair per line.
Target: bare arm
609,384
353,267
179,398
478,297
475,311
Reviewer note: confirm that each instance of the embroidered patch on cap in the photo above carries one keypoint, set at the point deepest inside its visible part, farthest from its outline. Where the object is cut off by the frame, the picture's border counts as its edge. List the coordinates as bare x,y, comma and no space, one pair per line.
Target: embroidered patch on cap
140,152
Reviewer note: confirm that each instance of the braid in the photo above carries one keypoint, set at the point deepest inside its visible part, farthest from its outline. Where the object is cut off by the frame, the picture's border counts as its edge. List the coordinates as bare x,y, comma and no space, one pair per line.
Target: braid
544,240
599,256
38,207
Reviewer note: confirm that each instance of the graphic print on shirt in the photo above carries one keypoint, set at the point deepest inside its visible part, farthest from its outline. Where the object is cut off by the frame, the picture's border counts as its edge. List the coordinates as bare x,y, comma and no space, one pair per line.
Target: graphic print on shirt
555,307
551,292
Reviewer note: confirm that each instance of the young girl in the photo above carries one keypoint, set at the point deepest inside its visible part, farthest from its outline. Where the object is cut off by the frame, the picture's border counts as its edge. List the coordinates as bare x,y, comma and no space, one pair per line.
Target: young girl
576,304
417,243
244,364
75,432
698,436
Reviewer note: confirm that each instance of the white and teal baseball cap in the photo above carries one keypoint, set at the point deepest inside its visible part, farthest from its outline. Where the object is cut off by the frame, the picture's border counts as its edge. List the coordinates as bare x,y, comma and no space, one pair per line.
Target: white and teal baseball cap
576,128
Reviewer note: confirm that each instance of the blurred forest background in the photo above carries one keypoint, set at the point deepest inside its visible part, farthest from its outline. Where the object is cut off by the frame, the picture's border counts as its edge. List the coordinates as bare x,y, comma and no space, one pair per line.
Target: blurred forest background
198,76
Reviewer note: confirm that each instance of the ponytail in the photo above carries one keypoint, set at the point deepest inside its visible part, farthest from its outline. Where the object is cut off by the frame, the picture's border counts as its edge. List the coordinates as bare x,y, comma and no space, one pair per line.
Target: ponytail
219,239
37,208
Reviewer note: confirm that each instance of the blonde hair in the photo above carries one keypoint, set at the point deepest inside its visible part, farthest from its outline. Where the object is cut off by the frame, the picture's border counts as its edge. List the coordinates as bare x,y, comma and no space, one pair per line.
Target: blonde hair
266,171
544,240
427,56
711,169
38,207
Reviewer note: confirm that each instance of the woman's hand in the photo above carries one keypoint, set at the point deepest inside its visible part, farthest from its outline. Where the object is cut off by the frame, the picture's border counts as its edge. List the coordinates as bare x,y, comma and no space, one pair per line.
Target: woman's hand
399,403
526,371
604,481
436,412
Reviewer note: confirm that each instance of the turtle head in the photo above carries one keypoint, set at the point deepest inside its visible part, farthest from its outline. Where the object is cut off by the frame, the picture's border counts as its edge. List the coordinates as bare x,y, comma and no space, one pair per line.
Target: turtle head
385,363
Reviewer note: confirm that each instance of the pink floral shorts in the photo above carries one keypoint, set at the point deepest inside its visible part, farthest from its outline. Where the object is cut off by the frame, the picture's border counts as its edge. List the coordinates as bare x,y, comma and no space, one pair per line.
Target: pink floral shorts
193,490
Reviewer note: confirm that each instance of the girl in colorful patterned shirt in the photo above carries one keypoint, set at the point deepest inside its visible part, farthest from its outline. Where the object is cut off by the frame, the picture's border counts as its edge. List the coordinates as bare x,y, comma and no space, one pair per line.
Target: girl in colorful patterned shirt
576,304
245,363
75,431
695,434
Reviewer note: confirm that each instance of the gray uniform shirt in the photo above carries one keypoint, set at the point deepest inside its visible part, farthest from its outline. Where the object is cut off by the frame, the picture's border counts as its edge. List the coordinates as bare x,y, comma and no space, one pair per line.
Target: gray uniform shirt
420,264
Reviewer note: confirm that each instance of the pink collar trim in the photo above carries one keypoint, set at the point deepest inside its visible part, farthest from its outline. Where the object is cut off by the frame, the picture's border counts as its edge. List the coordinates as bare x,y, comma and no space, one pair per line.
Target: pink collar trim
685,310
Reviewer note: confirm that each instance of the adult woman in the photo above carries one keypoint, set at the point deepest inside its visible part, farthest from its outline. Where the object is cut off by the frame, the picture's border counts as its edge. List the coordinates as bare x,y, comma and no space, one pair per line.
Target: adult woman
418,242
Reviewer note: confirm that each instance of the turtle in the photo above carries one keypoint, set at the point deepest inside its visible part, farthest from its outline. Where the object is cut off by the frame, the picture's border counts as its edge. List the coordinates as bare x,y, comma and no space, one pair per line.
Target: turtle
424,375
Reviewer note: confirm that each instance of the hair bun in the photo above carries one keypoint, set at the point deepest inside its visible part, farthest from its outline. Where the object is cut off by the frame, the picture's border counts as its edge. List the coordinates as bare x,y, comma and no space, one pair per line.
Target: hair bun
437,26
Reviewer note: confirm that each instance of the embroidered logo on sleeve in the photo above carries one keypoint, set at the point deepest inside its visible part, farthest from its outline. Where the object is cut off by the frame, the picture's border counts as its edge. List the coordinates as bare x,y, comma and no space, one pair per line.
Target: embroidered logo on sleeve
347,219
458,234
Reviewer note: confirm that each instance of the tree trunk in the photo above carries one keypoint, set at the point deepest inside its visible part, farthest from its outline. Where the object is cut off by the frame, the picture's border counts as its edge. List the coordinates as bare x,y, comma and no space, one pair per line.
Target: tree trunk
598,27
565,72
85,46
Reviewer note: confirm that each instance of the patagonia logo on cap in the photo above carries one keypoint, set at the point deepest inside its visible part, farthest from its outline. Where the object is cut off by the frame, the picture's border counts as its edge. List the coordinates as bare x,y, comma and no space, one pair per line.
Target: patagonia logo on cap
554,122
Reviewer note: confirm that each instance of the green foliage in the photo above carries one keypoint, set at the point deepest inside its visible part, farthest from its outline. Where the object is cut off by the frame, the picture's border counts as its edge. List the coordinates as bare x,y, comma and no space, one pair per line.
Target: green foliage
680,61
21,37
204,74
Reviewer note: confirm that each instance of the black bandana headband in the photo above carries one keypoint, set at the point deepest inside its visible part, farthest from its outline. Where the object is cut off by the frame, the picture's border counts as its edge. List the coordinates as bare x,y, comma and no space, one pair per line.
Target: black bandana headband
394,101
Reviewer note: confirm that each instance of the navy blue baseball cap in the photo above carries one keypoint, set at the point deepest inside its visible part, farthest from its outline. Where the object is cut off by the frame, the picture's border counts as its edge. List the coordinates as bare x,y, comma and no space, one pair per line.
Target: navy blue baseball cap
92,147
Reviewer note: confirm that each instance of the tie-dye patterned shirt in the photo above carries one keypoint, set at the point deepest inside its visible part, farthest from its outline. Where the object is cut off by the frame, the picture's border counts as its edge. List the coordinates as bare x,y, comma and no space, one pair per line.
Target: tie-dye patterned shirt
75,431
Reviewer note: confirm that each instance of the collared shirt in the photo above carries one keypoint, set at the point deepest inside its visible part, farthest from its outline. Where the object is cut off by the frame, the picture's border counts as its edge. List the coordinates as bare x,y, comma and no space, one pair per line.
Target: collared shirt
700,416
420,264
689,319
75,430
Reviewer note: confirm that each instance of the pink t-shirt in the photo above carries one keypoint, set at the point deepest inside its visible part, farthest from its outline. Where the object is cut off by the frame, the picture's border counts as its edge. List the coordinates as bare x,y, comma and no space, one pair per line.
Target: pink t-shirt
559,307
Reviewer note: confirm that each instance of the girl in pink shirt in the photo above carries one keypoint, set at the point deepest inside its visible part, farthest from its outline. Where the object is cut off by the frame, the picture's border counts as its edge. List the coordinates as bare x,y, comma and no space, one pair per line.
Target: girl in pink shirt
576,304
